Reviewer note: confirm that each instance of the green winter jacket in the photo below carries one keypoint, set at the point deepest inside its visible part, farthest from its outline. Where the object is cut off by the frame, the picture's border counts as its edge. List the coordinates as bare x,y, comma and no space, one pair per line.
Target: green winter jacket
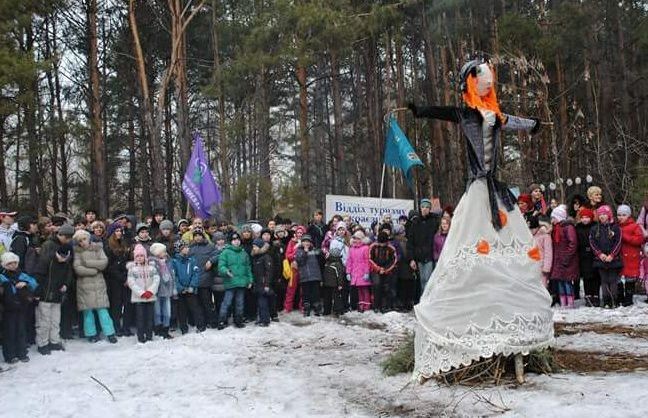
234,267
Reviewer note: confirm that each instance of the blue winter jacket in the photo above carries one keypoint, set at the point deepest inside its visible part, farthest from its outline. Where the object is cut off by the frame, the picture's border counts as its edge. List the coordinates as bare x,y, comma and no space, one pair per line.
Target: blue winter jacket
187,273
8,280
5,279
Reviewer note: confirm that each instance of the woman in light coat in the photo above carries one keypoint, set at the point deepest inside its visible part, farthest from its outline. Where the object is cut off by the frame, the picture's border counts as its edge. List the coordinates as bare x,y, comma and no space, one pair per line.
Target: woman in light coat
89,263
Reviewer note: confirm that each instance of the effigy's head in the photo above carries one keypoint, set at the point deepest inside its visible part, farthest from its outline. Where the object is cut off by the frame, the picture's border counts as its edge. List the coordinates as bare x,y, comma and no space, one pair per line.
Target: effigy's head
478,86
477,78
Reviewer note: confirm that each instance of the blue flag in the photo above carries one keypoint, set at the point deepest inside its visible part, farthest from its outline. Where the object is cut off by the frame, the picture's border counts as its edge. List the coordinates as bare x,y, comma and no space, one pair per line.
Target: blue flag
398,151
198,185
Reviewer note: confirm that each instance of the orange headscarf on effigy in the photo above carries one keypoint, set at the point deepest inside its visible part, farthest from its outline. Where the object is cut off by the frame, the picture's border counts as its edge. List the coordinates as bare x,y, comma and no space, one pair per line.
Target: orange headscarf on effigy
473,100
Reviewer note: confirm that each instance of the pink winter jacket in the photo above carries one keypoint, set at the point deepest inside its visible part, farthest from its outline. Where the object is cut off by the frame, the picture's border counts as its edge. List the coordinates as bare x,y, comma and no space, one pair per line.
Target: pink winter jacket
358,265
643,269
543,242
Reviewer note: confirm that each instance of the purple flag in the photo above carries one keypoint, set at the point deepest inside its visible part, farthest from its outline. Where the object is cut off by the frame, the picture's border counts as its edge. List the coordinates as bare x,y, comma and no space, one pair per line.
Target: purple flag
198,185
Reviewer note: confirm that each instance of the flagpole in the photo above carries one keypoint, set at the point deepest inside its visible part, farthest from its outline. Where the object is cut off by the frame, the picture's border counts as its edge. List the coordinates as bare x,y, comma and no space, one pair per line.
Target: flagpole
382,186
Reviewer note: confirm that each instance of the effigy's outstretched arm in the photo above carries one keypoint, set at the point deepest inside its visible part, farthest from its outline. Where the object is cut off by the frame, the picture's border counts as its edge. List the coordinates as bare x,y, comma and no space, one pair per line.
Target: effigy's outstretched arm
518,123
447,113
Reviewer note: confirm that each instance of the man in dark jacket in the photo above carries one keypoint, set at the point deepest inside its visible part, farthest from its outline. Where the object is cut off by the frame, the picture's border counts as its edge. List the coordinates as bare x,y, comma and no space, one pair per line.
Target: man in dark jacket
24,243
420,241
206,258
54,275
317,228
262,271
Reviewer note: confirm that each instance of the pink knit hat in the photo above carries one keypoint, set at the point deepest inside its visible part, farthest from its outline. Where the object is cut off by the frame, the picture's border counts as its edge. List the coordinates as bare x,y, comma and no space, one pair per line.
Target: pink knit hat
139,250
605,210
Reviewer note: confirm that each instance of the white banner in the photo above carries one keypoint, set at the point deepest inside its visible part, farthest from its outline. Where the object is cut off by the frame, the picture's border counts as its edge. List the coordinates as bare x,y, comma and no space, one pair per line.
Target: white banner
365,210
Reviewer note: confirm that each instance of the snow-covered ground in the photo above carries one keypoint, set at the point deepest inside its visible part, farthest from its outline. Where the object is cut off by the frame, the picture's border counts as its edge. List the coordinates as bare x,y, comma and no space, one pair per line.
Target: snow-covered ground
302,367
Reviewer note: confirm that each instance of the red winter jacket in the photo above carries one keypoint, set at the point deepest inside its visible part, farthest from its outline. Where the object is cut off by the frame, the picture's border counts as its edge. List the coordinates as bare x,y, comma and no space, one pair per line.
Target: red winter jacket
631,241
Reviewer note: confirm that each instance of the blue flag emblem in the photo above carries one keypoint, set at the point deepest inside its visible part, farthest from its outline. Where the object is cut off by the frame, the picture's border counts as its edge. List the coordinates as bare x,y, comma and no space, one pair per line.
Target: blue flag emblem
398,150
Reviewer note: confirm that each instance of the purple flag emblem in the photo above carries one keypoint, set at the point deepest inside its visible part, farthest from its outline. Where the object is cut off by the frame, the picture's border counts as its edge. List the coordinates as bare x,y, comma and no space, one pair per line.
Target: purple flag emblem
198,185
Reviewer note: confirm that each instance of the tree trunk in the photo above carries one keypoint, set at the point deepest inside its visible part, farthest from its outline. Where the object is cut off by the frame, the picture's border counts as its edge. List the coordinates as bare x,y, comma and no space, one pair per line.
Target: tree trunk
98,146
132,158
436,141
563,129
180,68
4,197
153,124
222,134
31,91
303,130
53,124
61,130
338,165
168,166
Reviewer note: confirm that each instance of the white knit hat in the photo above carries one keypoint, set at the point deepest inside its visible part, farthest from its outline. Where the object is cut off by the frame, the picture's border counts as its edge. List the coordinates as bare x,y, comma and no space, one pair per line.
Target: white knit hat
559,214
624,210
9,257
157,249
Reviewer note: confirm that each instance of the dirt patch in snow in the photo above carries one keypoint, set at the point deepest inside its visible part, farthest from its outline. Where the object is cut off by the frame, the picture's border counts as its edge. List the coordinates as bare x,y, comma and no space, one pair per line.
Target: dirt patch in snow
596,361
562,328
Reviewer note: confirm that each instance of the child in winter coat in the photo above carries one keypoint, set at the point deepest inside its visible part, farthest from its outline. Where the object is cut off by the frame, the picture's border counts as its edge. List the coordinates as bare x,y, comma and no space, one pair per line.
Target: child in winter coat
340,242
234,266
187,274
334,280
278,254
564,268
262,270
310,275
16,291
590,276
293,283
643,269
631,241
541,230
358,269
166,290
605,241
143,280
383,261
440,238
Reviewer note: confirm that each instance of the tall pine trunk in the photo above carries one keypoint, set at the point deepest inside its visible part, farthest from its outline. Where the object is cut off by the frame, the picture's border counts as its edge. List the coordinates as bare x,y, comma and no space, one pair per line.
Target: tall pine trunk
98,147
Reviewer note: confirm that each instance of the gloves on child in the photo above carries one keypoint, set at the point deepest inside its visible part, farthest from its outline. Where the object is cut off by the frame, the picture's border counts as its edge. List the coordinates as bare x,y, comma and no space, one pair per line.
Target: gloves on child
147,295
366,277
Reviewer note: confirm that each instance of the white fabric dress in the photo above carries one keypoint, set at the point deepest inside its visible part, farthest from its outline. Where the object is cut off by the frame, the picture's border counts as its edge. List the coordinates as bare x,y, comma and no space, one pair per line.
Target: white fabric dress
479,304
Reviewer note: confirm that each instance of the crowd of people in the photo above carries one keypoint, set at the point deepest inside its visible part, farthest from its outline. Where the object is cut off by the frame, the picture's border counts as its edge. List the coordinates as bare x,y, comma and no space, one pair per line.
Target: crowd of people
64,279
583,242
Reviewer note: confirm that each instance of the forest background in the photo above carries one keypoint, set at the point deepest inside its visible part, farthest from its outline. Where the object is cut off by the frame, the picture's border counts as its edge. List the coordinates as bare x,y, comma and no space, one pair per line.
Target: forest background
99,100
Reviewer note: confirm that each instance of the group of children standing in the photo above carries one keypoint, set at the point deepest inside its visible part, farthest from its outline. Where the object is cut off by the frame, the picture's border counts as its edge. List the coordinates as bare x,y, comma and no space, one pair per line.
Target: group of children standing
584,242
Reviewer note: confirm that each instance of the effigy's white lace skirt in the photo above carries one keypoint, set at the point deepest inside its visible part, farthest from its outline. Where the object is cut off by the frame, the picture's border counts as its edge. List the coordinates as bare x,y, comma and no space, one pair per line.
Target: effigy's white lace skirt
485,296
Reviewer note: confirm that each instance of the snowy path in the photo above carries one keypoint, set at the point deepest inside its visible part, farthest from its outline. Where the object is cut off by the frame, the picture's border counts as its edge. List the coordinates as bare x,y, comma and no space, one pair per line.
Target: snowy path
305,367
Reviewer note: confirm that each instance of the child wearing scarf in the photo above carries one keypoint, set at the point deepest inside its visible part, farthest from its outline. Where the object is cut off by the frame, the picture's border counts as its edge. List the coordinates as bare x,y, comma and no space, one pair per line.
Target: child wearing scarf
143,280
